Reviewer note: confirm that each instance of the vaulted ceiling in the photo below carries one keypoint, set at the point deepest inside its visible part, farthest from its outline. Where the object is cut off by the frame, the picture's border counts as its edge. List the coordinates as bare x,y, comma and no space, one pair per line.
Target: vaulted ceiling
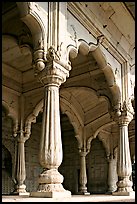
18,73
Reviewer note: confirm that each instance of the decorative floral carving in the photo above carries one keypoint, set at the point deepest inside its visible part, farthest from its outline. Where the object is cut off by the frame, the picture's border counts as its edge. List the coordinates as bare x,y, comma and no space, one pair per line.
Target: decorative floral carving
127,107
52,54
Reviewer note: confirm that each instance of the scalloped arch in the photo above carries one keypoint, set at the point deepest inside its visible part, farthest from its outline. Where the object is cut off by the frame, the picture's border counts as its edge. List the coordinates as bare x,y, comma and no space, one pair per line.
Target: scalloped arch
87,89
97,132
32,116
30,16
84,48
66,107
11,113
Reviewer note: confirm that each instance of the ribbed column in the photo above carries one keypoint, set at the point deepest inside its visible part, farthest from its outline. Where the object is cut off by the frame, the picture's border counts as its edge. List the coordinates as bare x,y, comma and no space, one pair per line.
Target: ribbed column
124,167
83,174
50,157
51,145
20,165
112,174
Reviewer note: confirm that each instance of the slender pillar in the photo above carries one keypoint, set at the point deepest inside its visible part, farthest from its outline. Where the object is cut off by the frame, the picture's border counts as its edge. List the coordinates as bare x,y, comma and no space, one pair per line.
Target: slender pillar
112,174
124,168
20,166
83,174
21,136
50,180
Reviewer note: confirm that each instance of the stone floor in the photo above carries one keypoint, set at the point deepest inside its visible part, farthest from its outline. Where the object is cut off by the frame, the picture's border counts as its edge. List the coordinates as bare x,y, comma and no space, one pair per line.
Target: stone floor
74,198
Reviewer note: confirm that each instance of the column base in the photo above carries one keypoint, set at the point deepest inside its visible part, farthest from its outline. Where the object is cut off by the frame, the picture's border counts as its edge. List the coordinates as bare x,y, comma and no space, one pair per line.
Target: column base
124,193
20,193
54,194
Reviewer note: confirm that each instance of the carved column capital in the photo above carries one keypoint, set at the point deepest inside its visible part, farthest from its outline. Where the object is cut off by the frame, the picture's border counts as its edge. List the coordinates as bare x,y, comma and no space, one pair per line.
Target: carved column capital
50,71
27,130
20,137
124,120
110,157
123,113
83,152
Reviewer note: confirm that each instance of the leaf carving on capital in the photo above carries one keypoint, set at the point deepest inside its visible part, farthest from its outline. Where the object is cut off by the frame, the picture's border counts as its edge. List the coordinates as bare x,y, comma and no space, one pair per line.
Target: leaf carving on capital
127,107
52,54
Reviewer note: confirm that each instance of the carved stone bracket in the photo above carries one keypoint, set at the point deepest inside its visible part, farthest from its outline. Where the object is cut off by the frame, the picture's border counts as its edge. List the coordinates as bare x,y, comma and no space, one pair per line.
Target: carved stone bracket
51,69
123,112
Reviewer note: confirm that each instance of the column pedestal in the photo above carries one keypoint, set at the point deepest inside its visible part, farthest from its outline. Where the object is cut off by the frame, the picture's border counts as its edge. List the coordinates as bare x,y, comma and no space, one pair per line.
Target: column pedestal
83,174
50,185
20,171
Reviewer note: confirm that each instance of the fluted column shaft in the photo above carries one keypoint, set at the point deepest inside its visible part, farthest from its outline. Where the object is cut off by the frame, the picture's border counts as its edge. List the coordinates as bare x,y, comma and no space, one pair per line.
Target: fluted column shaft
112,174
51,76
20,165
83,173
124,167
124,159
51,144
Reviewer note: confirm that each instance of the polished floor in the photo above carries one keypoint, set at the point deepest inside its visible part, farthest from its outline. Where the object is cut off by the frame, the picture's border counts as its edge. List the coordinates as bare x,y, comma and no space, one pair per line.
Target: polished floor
74,198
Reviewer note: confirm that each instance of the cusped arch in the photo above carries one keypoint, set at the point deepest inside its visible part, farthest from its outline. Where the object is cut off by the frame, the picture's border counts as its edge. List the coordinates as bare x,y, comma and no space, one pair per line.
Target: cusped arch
70,111
66,108
97,132
92,92
38,108
74,115
13,115
85,48
31,118
30,15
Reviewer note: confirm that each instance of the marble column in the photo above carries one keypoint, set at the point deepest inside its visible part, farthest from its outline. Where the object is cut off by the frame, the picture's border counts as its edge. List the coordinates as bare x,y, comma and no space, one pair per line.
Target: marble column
83,174
112,174
50,180
124,167
20,174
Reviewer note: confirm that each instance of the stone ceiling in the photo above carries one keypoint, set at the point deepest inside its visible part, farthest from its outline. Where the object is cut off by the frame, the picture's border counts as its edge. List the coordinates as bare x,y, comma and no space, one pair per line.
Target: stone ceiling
131,8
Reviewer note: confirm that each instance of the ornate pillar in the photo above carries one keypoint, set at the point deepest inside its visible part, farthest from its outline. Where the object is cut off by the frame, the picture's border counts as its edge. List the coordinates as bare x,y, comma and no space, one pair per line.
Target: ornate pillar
112,174
83,174
20,165
20,170
124,167
21,136
50,180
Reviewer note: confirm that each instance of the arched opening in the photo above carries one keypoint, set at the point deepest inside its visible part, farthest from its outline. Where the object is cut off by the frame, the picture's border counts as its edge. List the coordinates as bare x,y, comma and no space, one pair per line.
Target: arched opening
32,145
97,168
7,182
71,158
7,161
88,61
